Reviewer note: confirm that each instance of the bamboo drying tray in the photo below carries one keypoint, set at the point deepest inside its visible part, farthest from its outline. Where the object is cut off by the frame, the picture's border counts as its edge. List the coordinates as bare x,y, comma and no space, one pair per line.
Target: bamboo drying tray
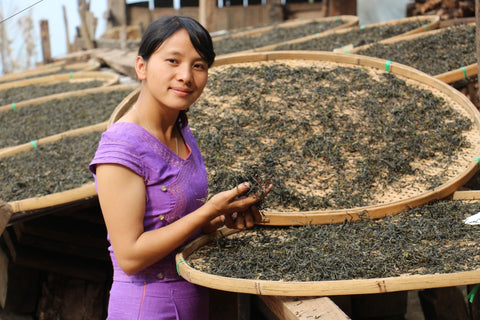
107,78
256,32
313,288
448,76
469,166
36,206
53,68
429,23
32,103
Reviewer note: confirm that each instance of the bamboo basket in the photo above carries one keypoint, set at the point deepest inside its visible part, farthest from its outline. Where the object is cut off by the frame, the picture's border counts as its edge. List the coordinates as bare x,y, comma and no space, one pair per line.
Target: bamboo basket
29,208
394,206
37,206
33,103
313,288
429,23
448,76
107,78
53,68
257,32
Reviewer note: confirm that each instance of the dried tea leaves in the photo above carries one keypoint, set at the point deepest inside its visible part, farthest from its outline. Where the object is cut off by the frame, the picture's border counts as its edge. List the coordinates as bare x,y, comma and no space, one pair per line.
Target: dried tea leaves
49,168
357,36
275,35
16,94
330,136
56,116
433,53
426,240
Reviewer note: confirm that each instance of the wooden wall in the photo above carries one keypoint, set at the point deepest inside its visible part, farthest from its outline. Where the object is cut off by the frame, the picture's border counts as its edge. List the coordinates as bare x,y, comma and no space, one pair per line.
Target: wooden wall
234,17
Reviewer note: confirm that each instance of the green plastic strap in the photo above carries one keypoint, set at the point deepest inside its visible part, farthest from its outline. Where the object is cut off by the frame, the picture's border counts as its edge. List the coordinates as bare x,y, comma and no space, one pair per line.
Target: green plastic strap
180,261
478,160
464,72
14,106
427,27
362,27
34,144
71,75
387,65
472,293
335,18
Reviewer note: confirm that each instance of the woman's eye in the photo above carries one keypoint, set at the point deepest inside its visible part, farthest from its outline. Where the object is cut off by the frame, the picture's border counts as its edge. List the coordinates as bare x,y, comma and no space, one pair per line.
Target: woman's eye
199,66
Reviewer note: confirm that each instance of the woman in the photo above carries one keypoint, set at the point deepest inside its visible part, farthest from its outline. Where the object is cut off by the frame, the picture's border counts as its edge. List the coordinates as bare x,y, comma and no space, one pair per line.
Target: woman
151,179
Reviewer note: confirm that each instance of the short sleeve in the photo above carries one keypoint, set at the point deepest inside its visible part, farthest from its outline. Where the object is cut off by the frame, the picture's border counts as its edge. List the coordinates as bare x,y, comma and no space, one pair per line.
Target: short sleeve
118,147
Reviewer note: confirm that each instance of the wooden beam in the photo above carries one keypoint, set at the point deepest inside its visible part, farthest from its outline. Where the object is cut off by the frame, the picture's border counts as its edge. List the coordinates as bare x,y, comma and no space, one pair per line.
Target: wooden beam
292,308
466,195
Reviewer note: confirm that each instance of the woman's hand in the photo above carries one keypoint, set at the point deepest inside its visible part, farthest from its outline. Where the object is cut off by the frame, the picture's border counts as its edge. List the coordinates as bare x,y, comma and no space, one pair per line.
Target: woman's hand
243,219
237,211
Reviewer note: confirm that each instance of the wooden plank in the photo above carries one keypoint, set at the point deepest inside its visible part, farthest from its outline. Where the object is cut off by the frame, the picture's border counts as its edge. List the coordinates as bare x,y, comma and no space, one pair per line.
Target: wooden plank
119,60
466,195
294,308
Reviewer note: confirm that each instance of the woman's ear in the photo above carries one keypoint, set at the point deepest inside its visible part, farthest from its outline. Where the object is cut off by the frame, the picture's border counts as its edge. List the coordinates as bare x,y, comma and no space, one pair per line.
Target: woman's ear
141,68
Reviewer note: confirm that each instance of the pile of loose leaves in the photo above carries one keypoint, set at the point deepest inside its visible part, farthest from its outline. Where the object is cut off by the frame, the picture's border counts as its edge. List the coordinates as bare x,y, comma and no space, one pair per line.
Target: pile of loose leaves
22,93
357,36
49,168
329,136
434,52
275,35
41,120
429,239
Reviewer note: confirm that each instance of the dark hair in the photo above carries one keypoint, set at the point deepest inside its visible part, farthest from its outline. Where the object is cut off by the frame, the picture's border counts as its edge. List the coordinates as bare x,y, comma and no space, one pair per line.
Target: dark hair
161,29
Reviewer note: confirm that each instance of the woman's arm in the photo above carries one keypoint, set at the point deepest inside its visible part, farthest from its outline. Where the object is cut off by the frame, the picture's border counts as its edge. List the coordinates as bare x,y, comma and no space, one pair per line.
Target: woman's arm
121,193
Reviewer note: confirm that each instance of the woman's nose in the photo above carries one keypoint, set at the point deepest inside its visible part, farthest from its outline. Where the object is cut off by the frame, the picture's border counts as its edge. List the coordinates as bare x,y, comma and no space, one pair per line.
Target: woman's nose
185,73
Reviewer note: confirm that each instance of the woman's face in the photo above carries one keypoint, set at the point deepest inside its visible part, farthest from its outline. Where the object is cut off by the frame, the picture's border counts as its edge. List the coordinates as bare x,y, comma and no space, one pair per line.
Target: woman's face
175,75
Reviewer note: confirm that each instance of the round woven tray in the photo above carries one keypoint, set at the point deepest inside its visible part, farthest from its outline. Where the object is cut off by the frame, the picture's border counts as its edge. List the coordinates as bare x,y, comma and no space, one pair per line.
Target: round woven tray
75,197
313,288
429,23
107,79
257,32
33,206
448,76
465,167
52,98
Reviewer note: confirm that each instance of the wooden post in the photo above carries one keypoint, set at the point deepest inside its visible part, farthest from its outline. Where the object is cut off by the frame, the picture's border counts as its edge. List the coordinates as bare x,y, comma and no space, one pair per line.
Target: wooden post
206,13
45,36
83,8
67,34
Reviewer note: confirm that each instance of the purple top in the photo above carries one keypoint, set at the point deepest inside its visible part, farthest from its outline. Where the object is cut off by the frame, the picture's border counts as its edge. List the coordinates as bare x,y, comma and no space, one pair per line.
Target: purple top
174,186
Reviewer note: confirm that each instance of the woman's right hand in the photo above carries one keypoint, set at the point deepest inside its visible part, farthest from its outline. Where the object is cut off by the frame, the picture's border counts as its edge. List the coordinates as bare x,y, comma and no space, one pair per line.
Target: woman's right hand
238,209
